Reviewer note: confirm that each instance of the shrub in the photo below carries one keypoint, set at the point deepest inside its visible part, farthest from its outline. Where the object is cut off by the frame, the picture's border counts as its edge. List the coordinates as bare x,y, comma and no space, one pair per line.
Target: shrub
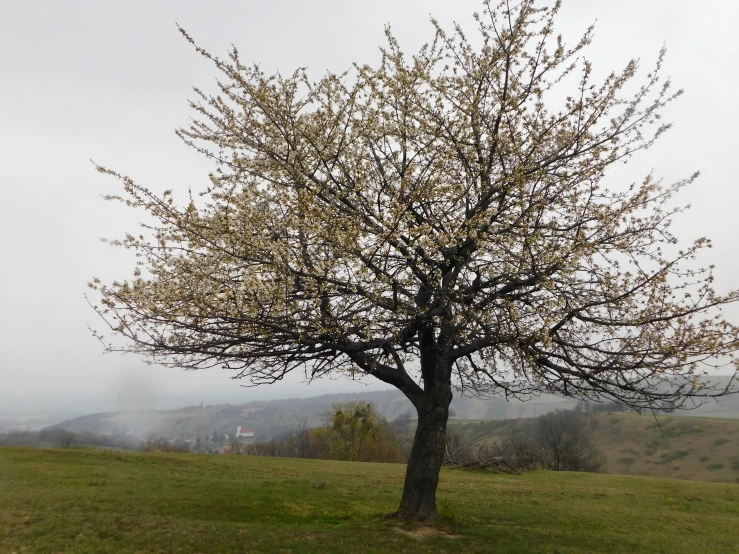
667,457
627,463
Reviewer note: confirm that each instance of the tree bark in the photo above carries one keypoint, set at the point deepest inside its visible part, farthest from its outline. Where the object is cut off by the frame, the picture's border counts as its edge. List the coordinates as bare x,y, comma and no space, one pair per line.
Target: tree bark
427,455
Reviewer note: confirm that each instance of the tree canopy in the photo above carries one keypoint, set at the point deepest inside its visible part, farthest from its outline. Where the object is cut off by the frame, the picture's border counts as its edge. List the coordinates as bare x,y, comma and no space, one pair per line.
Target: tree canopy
436,220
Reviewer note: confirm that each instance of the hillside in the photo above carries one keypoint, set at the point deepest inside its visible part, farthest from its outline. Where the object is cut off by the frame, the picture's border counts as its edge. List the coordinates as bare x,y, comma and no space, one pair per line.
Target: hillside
98,501
269,418
697,448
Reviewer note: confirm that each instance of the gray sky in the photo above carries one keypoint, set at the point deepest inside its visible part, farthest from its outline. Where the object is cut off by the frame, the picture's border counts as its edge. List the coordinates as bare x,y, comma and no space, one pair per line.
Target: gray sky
109,81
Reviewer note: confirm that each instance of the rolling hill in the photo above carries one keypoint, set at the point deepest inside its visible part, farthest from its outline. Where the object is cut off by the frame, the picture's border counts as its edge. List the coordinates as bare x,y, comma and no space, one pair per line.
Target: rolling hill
269,418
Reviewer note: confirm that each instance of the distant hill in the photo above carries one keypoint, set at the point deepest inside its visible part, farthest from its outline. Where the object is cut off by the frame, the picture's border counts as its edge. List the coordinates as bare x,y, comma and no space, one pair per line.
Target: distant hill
269,418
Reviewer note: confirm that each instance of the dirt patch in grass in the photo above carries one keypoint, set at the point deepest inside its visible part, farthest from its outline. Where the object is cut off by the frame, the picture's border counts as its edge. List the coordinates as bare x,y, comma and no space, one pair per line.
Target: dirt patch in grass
424,532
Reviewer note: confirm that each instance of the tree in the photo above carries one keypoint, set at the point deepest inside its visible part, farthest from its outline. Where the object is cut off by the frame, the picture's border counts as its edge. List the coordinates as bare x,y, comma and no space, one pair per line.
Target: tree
561,443
235,447
434,222
399,432
321,443
58,437
457,448
302,437
353,426
353,431
516,447
627,463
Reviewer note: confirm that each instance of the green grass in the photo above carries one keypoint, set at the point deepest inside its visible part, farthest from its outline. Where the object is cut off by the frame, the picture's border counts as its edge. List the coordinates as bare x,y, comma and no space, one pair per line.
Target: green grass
106,501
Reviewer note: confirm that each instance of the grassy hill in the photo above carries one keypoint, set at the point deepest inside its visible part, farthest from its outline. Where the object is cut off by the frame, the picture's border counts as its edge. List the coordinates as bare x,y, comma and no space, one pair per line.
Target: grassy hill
102,501
705,449
697,448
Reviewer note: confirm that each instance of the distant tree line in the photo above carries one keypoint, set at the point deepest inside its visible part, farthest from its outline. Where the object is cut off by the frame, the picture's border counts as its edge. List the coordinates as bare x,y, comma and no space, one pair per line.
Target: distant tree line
355,431
153,444
558,441
60,438
604,407
351,431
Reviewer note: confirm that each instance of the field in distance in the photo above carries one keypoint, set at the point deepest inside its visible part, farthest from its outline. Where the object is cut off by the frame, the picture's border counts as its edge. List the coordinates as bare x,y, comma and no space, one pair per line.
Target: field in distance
84,500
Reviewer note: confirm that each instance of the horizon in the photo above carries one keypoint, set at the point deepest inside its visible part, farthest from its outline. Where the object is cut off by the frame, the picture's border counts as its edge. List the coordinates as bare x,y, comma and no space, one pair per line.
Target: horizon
174,403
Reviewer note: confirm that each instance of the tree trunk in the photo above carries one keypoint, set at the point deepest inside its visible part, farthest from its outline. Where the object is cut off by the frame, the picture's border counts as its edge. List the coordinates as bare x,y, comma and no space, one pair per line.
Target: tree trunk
427,455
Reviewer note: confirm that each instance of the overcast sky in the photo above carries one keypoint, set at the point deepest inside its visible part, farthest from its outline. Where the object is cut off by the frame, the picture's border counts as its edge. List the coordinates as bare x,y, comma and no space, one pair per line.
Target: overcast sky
109,81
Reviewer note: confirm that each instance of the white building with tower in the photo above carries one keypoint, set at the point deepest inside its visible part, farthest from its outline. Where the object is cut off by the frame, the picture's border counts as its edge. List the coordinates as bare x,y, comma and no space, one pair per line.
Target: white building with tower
243,432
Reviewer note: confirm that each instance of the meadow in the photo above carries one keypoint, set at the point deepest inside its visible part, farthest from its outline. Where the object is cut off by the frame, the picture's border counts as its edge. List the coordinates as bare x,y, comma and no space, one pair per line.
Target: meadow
85,500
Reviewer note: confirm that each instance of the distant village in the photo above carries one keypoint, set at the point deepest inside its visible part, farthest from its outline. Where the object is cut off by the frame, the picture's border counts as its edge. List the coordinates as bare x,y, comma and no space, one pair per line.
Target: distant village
213,443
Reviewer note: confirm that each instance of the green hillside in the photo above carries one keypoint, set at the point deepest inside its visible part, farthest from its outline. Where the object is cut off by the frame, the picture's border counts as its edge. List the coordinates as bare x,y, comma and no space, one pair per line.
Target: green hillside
102,501
696,448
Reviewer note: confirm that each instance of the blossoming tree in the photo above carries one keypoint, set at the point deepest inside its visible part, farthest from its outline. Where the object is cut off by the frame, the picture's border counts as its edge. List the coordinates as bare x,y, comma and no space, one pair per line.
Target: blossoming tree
432,222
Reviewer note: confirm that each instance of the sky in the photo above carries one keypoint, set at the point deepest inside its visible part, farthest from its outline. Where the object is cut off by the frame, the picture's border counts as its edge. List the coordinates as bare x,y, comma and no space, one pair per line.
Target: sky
109,81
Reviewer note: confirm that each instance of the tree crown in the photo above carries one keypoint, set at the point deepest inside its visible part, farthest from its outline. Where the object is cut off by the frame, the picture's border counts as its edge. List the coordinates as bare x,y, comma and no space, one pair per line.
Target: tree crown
435,208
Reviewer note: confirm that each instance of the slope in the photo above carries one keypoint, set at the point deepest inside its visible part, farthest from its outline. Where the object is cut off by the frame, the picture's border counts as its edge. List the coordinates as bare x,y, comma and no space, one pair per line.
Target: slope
696,448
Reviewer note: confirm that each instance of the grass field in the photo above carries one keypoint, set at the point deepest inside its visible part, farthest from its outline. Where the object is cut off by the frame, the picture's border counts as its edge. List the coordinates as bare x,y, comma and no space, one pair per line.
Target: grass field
107,501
